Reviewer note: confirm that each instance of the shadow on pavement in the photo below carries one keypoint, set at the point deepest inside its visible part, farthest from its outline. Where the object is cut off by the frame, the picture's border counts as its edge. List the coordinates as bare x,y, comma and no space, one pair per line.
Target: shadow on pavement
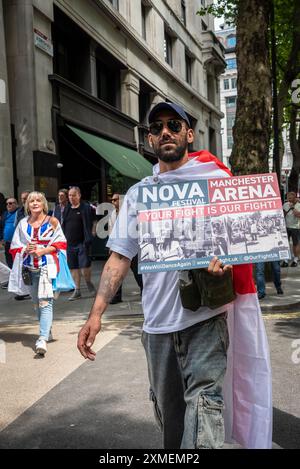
286,429
96,424
26,339
288,328
102,404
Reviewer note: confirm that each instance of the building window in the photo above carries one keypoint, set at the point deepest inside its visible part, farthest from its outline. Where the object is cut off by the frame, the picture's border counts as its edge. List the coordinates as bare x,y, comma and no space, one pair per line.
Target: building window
230,118
144,101
233,83
71,50
115,3
212,141
203,3
229,142
144,21
183,12
105,84
231,101
211,88
168,49
204,25
226,84
231,63
188,68
108,77
231,41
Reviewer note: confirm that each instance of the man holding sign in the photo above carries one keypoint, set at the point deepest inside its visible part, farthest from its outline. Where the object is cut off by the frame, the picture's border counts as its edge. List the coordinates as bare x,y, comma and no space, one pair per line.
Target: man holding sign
187,351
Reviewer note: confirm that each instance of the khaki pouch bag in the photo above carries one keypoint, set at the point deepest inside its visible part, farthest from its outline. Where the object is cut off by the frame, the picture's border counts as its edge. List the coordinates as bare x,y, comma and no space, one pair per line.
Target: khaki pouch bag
198,287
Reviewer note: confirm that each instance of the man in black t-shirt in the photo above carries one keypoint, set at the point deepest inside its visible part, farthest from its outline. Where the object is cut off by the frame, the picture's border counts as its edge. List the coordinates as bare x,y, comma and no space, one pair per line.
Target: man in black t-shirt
78,225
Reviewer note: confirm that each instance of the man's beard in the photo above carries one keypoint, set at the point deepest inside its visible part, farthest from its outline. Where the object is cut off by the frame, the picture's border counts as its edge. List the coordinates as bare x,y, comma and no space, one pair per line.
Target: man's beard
172,155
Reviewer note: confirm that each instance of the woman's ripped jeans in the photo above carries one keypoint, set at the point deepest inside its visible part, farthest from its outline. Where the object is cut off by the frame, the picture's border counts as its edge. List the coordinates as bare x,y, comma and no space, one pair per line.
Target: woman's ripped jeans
43,307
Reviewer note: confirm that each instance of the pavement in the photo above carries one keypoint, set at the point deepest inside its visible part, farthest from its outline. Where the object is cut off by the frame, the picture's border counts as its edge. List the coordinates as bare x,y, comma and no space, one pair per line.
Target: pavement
63,401
290,300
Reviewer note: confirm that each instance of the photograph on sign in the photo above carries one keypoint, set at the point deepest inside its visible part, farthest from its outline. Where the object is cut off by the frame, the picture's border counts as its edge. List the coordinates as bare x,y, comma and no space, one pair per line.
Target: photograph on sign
183,225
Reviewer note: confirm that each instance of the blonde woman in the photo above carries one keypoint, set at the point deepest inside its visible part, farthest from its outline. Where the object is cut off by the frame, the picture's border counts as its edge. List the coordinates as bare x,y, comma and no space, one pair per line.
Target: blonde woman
35,245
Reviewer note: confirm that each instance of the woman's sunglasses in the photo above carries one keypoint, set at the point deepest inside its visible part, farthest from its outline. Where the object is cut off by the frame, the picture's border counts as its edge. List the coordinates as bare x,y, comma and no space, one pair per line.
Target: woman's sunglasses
173,124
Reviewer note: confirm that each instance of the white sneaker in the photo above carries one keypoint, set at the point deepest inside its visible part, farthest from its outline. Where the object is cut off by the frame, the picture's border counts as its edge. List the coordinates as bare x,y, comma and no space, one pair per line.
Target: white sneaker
75,295
41,346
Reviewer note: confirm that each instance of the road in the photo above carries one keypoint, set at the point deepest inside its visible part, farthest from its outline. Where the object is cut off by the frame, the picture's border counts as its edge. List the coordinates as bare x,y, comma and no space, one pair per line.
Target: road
62,401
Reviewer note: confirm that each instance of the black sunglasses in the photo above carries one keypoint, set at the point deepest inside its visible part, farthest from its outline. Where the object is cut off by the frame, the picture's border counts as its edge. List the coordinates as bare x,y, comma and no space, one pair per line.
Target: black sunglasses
173,124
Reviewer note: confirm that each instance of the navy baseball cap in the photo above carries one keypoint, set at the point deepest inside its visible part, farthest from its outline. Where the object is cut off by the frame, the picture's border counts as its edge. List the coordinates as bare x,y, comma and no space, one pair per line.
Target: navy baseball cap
169,107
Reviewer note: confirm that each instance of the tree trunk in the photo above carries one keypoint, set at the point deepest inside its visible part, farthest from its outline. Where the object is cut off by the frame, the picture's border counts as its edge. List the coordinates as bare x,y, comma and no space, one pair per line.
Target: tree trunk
251,132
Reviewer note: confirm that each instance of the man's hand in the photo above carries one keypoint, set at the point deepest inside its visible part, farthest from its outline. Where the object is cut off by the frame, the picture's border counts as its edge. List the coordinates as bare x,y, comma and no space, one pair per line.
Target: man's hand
87,335
216,267
114,271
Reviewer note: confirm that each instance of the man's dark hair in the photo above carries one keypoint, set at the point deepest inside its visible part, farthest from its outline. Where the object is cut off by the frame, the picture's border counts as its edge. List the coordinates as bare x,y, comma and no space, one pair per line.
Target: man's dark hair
65,191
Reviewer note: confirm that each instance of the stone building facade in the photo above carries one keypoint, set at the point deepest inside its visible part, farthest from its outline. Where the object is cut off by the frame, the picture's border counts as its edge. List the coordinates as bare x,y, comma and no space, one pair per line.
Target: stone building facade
98,66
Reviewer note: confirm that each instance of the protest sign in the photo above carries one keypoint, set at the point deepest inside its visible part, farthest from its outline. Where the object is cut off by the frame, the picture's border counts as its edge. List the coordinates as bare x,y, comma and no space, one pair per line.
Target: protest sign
183,225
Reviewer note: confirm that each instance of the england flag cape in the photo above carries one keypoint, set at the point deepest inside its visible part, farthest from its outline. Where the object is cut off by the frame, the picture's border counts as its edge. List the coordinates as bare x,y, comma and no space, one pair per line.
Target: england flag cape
248,381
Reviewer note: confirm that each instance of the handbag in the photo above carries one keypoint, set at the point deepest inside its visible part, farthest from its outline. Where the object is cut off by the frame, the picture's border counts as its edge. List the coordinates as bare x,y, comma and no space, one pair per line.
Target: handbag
64,280
26,276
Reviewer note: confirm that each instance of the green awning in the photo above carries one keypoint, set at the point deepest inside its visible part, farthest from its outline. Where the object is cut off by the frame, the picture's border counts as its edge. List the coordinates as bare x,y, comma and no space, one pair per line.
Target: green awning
128,162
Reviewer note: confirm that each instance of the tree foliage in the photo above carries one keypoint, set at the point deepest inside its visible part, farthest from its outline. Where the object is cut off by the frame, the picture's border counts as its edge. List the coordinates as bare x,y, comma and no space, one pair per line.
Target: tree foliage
287,33
228,9
251,131
287,28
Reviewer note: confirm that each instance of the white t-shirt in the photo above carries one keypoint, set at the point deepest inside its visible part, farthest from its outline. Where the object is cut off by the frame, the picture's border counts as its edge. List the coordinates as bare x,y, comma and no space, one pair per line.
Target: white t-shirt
290,219
163,311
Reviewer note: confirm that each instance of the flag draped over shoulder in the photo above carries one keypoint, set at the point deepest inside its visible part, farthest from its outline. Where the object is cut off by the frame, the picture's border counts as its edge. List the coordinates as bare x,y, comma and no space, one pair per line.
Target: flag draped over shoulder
47,236
248,380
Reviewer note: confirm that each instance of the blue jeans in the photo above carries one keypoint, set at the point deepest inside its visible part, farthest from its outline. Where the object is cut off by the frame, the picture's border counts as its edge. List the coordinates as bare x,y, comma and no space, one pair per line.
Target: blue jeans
43,306
186,372
260,276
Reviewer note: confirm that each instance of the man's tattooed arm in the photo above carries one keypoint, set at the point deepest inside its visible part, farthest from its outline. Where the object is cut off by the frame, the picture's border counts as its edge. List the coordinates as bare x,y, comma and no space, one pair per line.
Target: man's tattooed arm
114,272
112,276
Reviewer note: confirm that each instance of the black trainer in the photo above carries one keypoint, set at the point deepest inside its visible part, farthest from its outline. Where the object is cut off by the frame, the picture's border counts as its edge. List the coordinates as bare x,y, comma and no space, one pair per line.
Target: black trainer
22,297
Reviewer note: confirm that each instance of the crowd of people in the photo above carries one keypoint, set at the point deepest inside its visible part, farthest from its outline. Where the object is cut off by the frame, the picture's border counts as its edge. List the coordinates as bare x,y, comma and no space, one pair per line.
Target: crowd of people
291,211
188,352
27,231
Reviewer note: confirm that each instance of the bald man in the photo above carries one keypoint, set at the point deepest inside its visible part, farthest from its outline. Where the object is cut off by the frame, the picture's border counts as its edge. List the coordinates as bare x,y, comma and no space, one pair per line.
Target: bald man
8,227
